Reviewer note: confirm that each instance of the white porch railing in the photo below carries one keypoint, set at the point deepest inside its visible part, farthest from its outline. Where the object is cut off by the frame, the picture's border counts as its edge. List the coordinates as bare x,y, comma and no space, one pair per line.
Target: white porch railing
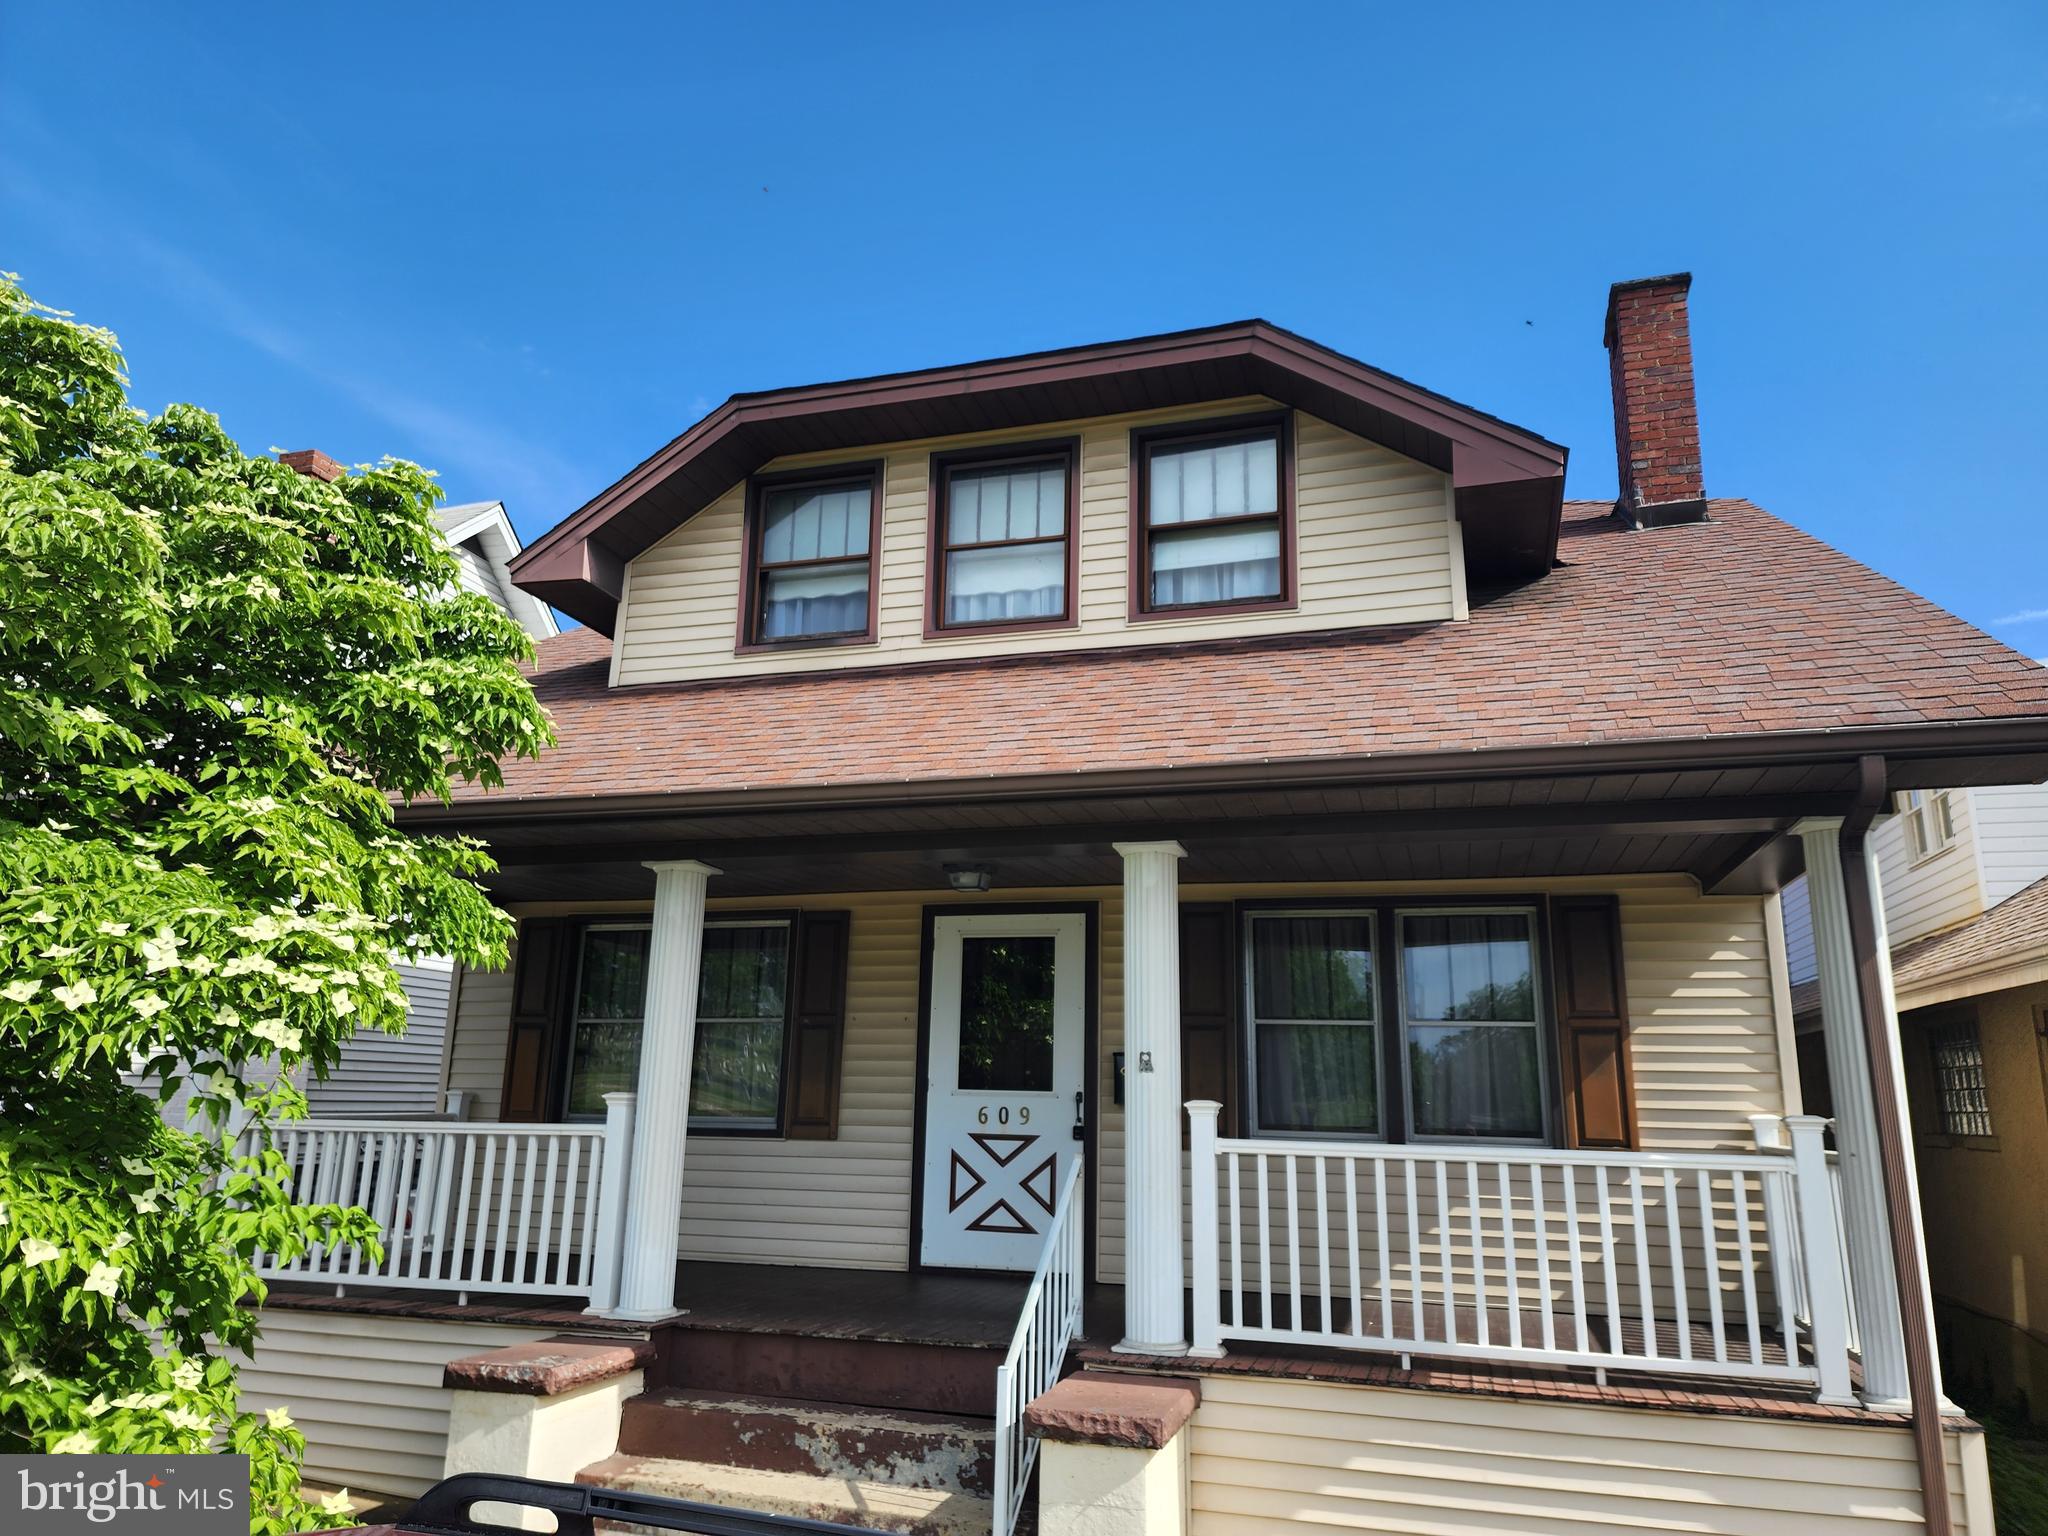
505,1208
1050,1320
1680,1263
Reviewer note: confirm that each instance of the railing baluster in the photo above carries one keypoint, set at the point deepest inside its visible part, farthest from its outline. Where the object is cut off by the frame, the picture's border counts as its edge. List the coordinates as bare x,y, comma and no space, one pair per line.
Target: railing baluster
1293,1242
1355,1251
1541,1217
1323,1242
1265,1247
544,1239
1581,1337
1236,1246
1744,1247
1443,1251
463,1191
1507,1246
505,1181
1711,1239
1646,1293
1681,1313
525,1212
1379,1209
1616,1343
572,1191
1415,1328
1479,1298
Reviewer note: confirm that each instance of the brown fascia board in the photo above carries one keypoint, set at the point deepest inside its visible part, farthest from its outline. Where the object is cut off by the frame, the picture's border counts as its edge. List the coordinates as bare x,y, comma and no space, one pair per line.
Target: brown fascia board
1509,481
2008,749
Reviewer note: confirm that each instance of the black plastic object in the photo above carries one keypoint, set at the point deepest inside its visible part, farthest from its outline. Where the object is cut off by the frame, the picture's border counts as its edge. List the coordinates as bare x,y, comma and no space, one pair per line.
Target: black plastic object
446,1510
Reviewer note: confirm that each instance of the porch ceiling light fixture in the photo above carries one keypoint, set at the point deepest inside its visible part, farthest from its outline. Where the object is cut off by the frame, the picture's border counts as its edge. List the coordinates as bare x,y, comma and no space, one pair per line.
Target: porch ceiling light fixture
970,877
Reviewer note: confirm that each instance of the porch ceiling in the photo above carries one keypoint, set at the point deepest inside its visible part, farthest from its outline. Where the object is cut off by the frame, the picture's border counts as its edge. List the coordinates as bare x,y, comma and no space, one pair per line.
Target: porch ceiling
1725,827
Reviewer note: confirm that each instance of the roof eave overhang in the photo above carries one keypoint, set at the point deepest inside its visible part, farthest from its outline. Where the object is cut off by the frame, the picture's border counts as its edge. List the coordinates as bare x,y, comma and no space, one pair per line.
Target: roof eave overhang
1508,482
1927,755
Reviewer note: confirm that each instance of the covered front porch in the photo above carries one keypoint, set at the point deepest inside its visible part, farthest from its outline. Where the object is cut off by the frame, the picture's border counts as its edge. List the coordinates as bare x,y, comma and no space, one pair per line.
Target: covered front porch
1656,1204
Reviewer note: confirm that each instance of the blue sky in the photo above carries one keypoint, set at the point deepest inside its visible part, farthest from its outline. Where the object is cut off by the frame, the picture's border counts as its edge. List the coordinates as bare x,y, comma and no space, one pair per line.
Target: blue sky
528,245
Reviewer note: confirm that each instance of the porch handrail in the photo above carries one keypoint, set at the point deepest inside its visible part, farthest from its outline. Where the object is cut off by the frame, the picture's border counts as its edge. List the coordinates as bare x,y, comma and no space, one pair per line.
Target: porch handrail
1050,1319
507,1207
1676,1262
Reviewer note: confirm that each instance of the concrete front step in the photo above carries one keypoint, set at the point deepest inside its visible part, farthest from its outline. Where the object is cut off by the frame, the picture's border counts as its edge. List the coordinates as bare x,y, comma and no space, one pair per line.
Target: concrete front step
831,1440
877,1373
876,1506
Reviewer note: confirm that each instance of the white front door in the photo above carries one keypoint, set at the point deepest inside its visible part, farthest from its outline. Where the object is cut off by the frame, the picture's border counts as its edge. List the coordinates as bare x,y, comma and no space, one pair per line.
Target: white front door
1003,1083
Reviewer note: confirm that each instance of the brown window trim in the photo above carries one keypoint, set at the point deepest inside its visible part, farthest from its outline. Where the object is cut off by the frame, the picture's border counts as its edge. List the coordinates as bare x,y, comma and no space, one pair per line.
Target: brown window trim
1394,1090
1221,430
871,470
936,548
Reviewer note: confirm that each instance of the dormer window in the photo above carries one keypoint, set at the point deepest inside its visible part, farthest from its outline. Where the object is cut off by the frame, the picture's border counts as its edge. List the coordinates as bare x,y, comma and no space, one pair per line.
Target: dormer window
1213,516
1930,821
810,559
1003,547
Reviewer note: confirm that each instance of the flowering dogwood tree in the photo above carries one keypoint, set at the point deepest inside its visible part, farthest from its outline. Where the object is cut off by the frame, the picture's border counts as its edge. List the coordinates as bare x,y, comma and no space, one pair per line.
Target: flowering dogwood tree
215,675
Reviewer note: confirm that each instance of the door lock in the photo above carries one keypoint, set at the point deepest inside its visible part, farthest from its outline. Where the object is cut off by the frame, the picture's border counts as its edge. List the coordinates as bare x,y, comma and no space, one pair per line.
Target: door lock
1080,1119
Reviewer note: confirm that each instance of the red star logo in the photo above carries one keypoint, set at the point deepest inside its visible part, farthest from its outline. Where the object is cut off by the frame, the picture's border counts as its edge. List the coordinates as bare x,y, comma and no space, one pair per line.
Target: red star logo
156,1482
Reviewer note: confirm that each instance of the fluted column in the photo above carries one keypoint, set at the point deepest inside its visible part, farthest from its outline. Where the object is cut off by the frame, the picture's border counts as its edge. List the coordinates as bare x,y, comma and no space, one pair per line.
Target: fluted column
1153,1323
675,956
1871,1276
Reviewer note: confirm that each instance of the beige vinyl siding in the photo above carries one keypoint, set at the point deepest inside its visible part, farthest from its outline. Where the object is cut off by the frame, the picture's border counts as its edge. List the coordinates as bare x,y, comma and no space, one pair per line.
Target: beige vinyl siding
1704,1046
1376,544
1272,1457
2012,836
381,1074
366,1391
1932,893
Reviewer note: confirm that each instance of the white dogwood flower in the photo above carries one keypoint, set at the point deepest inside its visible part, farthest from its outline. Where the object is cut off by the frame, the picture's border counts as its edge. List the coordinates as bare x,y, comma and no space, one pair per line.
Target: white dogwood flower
145,1203
280,1418
34,1251
77,995
21,991
187,1376
104,1279
336,1504
149,1005
161,952
78,1444
113,930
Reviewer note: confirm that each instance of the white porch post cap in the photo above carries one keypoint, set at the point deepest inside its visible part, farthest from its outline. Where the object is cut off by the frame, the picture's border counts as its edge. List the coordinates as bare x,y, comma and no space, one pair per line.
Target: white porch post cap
688,866
1169,847
1808,824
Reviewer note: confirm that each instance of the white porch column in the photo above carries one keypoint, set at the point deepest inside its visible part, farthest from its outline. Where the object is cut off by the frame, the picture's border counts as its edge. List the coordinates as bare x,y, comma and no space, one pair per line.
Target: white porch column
1871,1277
647,1269
1152,1113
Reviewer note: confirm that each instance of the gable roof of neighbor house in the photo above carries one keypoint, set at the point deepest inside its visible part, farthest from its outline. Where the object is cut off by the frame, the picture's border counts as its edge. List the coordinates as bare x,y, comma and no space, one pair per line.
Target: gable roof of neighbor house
1509,482
2005,947
486,528
1741,633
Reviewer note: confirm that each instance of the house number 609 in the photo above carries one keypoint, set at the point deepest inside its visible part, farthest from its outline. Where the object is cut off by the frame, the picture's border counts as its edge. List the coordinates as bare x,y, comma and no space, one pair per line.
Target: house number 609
1003,1115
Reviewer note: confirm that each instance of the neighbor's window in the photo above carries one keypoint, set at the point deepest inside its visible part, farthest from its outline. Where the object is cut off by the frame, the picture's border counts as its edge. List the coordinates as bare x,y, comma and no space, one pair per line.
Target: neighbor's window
1468,1006
1315,1038
1211,524
812,567
1959,1077
1003,542
742,1021
1930,820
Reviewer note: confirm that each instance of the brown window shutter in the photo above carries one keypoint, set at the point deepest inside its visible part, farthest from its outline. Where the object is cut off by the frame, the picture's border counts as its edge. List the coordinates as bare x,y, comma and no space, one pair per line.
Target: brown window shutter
1592,1022
540,1005
818,1028
1208,1010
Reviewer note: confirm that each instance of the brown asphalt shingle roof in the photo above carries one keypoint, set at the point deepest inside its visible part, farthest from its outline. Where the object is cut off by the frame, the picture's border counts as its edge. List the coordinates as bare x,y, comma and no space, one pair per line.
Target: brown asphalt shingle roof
1737,626
2014,930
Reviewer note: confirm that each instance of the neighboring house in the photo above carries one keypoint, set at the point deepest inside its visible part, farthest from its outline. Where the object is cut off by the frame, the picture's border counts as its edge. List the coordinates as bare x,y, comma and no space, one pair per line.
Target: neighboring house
1206,822
1966,905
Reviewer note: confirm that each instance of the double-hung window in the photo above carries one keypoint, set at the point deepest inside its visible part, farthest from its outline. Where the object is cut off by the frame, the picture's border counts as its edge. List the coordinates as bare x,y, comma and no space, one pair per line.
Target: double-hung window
742,1022
810,560
1449,1046
1003,546
1212,527
1930,821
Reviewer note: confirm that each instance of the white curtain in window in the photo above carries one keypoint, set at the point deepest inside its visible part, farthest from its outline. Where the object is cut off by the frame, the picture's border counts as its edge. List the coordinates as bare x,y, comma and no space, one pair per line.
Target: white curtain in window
985,506
1215,565
815,523
1195,483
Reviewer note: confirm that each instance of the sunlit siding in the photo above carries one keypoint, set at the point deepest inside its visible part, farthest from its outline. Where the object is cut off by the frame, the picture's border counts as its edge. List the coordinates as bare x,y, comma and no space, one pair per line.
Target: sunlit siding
1923,895
1375,544
1271,1458
381,1074
2012,836
366,1391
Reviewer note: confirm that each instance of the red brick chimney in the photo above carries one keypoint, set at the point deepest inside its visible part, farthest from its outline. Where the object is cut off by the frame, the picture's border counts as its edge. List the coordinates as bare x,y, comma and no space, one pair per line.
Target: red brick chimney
1656,418
311,461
